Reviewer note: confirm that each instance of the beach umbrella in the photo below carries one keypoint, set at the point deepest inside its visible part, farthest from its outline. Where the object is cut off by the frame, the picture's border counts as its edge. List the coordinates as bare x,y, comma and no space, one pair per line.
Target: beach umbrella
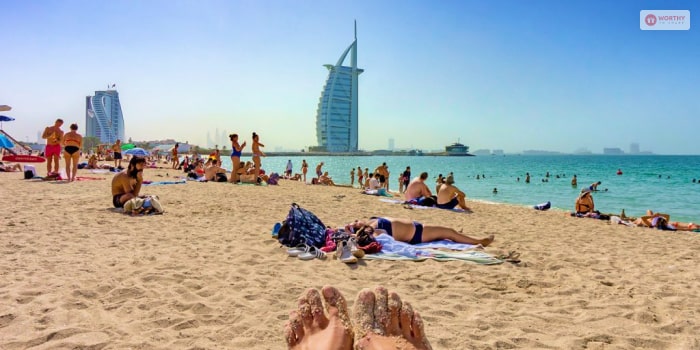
5,108
127,146
4,118
5,142
137,152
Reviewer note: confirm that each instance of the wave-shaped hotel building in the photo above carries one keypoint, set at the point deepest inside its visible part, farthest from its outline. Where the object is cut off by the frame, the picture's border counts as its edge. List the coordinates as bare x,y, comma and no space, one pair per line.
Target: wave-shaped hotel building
103,116
337,117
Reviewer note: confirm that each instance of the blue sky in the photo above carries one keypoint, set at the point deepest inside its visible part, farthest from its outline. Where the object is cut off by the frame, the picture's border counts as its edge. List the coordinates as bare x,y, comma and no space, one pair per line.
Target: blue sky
511,75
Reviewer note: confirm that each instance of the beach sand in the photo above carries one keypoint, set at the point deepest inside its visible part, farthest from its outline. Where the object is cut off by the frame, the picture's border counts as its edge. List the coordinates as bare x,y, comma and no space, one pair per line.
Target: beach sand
74,273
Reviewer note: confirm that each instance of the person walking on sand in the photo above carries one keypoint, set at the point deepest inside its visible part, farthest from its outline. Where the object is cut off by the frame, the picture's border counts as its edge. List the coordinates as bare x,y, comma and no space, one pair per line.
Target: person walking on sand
173,154
360,177
352,177
72,143
54,137
117,153
236,151
257,153
304,168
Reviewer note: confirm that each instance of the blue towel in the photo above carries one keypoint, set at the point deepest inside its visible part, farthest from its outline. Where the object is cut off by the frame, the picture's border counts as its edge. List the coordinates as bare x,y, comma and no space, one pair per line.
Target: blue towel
166,183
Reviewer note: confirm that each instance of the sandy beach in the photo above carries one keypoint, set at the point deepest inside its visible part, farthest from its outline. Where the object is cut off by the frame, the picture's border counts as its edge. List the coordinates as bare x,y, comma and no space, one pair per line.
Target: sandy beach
76,274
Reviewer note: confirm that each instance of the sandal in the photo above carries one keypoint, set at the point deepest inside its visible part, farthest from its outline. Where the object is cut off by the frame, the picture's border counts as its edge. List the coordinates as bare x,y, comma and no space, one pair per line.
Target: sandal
512,257
313,253
300,249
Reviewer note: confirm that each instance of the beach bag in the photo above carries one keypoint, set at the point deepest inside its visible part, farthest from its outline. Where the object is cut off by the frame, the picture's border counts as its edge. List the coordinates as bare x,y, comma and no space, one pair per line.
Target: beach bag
273,179
302,227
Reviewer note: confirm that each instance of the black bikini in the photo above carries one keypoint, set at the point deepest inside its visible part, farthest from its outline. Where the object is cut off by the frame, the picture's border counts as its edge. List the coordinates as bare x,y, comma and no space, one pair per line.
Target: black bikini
72,149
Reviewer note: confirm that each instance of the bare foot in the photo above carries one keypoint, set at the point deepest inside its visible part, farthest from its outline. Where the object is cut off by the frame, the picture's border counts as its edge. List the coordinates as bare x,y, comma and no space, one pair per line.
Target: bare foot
486,241
382,321
310,328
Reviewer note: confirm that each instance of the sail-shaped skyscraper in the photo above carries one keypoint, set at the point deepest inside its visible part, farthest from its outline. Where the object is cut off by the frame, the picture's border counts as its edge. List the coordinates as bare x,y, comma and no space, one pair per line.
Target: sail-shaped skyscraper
103,116
337,114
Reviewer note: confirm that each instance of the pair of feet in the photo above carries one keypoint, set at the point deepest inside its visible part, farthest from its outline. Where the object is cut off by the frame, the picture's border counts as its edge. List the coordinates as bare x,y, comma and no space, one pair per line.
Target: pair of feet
380,321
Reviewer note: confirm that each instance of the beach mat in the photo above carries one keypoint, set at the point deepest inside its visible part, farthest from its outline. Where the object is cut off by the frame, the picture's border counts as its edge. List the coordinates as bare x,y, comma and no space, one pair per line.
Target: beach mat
395,250
415,206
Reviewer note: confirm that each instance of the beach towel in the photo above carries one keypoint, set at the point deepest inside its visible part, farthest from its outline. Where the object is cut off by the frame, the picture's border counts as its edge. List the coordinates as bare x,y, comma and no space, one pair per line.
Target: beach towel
395,250
153,183
84,178
379,192
416,206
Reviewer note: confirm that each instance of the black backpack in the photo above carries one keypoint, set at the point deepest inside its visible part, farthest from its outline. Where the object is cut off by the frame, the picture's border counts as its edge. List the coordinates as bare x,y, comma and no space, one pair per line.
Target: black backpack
302,226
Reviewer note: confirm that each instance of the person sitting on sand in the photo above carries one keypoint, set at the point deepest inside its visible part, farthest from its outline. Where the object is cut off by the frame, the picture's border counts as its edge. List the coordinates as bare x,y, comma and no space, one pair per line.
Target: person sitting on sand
413,232
215,173
449,196
92,162
584,202
326,180
380,320
417,188
127,183
373,181
662,222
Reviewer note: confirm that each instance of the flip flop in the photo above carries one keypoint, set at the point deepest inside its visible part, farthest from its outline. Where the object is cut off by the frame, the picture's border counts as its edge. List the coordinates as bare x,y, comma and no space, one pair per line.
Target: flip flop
298,250
512,257
276,229
313,253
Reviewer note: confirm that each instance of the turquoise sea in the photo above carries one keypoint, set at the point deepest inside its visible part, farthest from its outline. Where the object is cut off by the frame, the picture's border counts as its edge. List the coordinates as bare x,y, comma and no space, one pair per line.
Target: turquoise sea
660,183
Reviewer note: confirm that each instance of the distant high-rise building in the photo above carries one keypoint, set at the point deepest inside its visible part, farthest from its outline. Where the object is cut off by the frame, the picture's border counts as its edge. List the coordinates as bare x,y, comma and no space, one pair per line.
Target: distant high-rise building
391,144
337,117
634,148
613,151
103,116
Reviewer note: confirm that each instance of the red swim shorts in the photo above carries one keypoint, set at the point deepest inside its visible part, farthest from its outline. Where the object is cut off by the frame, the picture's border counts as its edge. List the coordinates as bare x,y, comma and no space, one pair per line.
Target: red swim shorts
52,150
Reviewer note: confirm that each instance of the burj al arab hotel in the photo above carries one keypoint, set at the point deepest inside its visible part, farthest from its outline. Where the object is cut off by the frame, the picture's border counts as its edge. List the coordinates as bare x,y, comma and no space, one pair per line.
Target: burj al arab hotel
336,116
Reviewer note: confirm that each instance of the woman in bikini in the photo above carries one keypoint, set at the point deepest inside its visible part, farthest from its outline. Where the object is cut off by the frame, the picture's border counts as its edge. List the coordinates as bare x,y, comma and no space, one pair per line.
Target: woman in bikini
257,153
304,168
413,232
175,159
236,151
72,143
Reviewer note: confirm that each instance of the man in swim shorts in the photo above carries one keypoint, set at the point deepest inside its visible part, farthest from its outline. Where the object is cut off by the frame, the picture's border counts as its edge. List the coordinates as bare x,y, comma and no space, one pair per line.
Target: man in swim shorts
449,196
417,188
117,153
127,184
54,138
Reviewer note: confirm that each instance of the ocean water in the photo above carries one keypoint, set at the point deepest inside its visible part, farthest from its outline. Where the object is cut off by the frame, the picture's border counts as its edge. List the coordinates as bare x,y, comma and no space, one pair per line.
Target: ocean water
659,183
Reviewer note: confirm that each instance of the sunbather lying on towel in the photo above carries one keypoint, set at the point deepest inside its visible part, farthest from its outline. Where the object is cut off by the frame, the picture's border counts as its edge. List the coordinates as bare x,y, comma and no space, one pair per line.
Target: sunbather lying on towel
662,222
413,232
380,320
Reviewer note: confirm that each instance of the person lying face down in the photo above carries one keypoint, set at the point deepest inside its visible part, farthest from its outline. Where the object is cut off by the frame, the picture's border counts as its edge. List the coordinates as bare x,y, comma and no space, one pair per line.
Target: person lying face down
413,232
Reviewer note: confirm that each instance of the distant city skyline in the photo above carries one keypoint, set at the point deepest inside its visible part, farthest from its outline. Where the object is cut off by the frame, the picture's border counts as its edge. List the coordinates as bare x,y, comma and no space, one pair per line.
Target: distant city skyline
499,74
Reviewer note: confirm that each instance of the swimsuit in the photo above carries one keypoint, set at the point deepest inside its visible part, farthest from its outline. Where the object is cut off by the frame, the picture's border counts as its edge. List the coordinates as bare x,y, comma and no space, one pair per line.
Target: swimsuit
116,201
72,149
384,224
235,153
117,155
449,205
52,150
